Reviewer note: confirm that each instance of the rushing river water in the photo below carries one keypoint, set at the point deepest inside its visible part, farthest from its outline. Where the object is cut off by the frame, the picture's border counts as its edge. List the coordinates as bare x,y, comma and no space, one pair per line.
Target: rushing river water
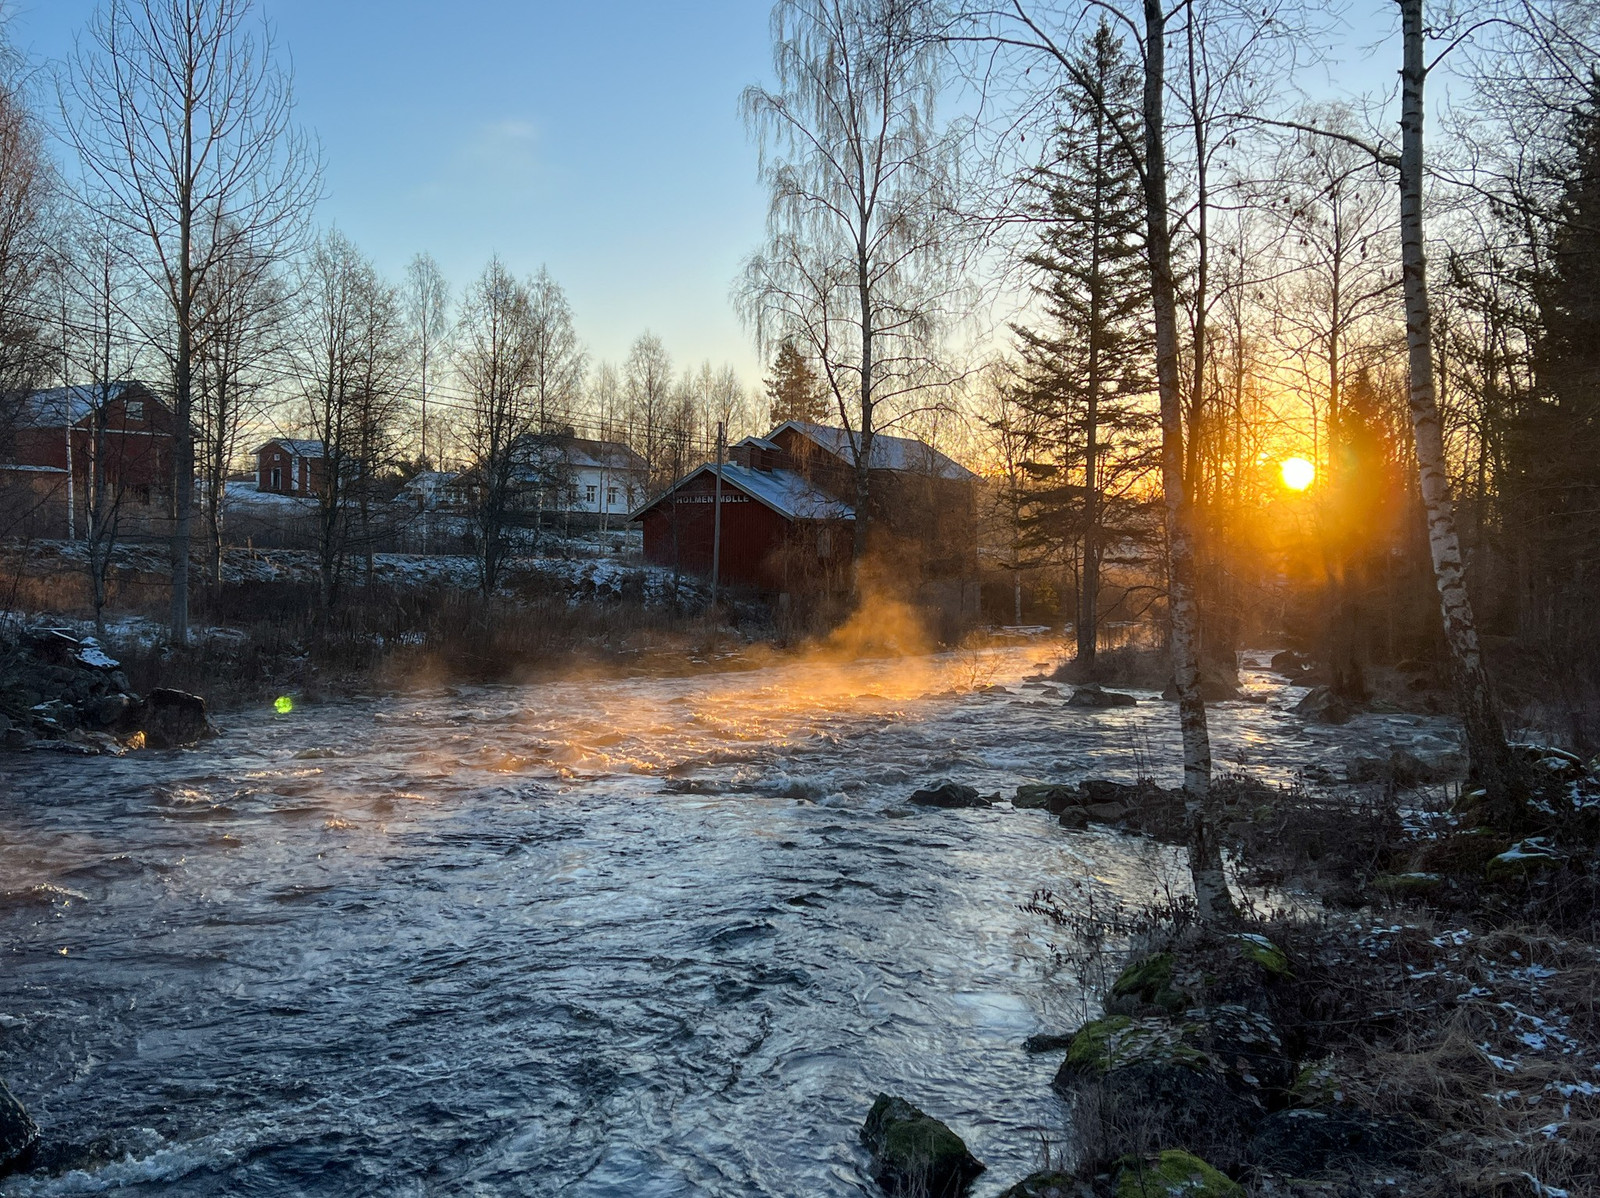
648,937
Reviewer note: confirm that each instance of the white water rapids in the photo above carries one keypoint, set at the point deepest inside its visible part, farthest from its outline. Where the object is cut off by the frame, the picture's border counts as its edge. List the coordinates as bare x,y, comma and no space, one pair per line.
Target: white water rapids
648,937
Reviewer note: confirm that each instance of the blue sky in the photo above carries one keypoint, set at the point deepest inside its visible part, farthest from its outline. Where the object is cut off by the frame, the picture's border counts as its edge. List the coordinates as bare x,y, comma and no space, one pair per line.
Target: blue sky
601,139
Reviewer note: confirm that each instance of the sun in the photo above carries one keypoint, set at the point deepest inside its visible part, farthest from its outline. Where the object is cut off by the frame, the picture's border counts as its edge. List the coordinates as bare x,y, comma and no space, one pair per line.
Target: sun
1298,474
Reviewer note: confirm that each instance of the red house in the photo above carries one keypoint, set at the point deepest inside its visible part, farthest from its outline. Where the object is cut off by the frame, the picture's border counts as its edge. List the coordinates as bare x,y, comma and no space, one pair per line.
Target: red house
788,521
49,441
779,531
286,466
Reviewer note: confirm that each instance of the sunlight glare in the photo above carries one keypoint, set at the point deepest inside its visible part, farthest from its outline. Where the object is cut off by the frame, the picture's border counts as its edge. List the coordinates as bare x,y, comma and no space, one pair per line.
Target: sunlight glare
1298,474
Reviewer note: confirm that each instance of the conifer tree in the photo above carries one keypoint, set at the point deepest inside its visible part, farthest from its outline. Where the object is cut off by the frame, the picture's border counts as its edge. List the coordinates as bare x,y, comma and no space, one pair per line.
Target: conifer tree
1086,367
793,391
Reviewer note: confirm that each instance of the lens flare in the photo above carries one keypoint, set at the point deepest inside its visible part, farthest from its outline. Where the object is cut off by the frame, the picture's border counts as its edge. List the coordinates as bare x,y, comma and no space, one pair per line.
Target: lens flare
283,705
1298,474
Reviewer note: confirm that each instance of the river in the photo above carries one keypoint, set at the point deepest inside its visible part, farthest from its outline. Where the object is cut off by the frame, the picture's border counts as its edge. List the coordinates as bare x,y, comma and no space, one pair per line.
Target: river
646,937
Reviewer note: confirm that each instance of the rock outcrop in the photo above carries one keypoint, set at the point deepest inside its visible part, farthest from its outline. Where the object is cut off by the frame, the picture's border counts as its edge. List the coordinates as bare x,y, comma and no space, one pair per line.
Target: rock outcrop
915,1154
946,793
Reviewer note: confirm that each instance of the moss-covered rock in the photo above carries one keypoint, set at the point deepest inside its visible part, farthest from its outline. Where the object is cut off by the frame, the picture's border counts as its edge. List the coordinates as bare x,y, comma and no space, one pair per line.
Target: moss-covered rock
1049,1184
1174,1174
1119,1040
1523,859
915,1154
1463,853
1257,948
1147,984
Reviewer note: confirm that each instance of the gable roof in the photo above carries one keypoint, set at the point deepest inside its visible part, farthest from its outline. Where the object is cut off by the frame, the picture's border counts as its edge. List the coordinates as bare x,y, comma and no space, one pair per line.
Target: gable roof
785,492
905,454
57,407
299,448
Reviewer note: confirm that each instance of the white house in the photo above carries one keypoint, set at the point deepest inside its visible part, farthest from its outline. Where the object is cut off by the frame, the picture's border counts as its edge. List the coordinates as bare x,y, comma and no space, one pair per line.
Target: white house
575,475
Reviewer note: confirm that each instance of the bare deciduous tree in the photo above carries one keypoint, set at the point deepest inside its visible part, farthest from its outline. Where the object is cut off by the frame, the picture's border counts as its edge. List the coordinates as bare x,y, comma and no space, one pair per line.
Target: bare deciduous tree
495,359
183,124
427,296
856,265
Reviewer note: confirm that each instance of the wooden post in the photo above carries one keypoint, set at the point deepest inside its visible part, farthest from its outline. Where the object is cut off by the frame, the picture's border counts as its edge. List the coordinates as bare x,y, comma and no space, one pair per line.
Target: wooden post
716,517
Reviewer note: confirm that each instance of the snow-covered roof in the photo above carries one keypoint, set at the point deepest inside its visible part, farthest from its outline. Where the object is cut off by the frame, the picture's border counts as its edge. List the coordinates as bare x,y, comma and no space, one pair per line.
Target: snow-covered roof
581,452
888,453
785,492
299,448
760,443
56,407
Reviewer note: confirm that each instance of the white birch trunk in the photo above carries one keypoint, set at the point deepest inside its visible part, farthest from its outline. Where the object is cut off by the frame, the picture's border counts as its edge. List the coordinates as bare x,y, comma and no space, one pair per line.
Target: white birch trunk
1480,713
1205,856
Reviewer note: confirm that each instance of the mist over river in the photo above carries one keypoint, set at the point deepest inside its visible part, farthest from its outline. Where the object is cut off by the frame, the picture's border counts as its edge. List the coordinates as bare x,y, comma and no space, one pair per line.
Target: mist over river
642,937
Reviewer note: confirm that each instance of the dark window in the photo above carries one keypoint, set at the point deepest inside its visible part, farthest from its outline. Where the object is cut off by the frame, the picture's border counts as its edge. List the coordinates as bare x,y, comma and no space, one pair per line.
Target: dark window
134,411
589,492
277,480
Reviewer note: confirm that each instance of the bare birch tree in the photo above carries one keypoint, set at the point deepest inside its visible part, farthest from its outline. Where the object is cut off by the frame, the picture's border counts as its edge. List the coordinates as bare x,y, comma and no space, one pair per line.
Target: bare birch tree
856,267
239,321
427,299
1040,33
494,357
183,124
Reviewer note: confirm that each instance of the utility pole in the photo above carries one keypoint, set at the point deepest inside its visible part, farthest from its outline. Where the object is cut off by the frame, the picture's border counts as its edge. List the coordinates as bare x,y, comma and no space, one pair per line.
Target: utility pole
716,517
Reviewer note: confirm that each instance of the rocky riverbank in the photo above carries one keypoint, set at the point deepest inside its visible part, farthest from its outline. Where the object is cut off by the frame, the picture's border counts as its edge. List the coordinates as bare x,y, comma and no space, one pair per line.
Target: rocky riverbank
1425,1026
65,693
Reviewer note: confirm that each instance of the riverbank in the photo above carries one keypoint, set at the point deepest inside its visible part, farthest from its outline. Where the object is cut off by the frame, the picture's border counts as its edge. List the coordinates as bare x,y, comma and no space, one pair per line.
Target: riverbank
1425,1024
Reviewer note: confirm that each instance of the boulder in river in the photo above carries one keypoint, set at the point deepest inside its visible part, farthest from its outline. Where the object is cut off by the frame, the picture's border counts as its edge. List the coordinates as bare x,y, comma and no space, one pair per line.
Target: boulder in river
915,1154
173,719
1096,696
1323,705
946,793
1045,796
18,1132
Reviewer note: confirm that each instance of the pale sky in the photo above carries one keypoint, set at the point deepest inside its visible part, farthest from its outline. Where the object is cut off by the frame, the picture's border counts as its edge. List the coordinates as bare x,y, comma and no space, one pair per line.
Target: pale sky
601,139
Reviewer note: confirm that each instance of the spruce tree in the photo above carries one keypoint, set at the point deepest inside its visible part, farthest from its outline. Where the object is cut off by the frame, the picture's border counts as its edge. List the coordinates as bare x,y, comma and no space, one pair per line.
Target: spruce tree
793,390
1085,366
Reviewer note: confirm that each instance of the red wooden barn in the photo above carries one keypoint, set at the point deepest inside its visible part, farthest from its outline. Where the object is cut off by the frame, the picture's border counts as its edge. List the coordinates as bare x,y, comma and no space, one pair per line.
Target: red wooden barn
780,532
787,518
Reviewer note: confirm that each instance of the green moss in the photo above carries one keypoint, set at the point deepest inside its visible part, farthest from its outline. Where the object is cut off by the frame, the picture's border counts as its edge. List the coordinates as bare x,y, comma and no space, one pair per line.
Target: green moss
1314,1085
1174,1174
1149,982
914,1152
1117,1040
1050,797
1521,860
1264,953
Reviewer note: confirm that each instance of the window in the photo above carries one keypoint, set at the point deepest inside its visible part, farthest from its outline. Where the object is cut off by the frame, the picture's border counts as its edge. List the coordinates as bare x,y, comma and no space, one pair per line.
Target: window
134,411
824,542
611,497
589,492
277,480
